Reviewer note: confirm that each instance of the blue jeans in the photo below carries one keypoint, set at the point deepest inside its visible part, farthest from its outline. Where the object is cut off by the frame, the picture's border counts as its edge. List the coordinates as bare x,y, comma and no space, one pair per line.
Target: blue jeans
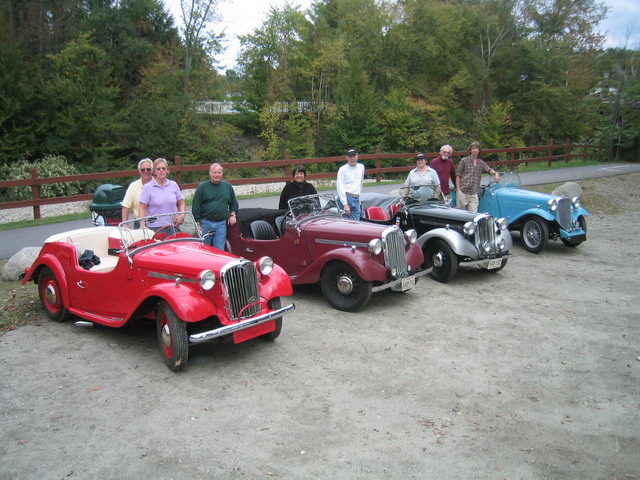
354,206
218,230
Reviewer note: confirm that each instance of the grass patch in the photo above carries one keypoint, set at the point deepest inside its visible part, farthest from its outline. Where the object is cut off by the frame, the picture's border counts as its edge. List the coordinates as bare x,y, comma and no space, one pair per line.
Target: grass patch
19,305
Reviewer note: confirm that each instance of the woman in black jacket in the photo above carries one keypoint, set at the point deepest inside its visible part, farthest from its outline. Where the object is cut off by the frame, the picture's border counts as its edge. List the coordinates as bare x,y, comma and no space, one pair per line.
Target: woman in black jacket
297,188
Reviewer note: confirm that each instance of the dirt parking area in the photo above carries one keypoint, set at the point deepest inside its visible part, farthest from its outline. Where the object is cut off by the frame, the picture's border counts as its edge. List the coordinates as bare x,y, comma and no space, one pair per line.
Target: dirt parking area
529,373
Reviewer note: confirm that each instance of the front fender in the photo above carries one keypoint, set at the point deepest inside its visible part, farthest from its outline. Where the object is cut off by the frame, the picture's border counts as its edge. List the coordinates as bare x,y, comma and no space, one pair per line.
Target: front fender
277,284
579,212
458,243
366,266
538,212
187,303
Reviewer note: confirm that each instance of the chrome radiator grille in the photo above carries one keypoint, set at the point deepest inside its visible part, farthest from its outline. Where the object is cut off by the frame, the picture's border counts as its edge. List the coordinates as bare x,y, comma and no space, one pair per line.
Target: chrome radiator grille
393,248
564,213
486,235
240,284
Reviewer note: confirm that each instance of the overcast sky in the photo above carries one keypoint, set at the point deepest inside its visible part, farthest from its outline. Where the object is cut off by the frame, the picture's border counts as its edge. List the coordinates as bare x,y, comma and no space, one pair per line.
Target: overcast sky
240,17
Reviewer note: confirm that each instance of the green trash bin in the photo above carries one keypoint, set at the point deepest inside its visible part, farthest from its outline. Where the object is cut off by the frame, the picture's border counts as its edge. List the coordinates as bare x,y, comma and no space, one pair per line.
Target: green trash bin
106,208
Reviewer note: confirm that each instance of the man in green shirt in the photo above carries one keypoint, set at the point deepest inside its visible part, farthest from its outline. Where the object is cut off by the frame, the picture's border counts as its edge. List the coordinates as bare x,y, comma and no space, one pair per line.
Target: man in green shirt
214,205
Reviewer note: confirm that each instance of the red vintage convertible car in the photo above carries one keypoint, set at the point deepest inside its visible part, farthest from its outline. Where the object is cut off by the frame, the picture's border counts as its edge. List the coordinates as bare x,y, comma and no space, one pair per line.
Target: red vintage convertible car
314,243
112,275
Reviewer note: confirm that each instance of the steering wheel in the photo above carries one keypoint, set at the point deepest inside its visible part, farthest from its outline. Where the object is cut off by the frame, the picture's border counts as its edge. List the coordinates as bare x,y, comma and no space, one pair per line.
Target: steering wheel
163,233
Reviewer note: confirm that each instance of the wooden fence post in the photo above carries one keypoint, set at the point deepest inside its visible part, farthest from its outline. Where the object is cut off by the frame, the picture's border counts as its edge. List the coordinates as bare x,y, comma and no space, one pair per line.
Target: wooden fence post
178,162
35,193
378,163
567,150
513,157
287,167
550,152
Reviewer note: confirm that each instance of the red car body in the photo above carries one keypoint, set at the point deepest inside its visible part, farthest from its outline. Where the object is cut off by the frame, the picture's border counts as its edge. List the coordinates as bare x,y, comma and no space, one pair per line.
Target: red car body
195,291
319,245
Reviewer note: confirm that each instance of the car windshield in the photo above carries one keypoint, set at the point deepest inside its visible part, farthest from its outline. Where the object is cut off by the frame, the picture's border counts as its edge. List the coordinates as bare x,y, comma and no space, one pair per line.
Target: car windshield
155,228
419,194
312,206
510,178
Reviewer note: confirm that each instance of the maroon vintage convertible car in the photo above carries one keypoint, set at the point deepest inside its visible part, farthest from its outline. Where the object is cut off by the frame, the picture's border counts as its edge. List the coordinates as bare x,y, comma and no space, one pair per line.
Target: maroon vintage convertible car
111,275
314,243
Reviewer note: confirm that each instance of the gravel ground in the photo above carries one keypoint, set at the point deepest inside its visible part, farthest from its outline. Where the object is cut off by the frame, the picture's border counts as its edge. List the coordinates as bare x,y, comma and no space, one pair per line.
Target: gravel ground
529,373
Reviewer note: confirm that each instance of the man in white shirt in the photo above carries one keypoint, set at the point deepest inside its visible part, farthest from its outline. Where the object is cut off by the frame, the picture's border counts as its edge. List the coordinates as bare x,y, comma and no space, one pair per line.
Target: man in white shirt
132,196
349,185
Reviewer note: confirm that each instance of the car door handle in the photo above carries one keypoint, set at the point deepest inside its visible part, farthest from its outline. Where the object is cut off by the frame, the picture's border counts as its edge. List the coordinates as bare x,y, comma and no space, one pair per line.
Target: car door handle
81,284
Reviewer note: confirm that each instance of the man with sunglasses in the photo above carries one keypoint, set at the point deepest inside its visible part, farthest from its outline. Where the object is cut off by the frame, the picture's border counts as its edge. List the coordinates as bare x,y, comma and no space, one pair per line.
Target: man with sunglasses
131,198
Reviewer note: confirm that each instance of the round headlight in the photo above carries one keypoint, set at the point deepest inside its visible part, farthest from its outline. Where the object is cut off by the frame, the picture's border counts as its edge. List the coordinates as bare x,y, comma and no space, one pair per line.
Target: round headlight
575,202
486,246
502,224
265,265
552,204
375,246
469,228
411,235
501,244
207,279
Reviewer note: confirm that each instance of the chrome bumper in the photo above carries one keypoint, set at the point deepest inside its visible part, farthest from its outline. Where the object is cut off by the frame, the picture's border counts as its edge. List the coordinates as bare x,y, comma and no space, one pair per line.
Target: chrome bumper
398,281
243,325
483,261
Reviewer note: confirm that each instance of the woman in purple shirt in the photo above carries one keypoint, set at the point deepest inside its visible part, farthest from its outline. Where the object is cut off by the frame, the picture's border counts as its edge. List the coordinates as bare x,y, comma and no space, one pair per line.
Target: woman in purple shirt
161,195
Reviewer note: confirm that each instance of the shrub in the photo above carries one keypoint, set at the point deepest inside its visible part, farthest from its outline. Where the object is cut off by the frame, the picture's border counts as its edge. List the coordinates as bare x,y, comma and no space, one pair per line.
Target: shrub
49,166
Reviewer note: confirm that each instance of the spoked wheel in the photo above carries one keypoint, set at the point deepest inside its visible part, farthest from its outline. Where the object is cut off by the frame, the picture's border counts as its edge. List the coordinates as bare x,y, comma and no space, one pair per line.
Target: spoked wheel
172,338
274,304
51,296
343,287
439,256
534,234
583,225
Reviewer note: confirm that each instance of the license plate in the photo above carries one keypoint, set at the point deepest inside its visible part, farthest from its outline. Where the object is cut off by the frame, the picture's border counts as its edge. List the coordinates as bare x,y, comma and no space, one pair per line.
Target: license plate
252,332
407,283
494,263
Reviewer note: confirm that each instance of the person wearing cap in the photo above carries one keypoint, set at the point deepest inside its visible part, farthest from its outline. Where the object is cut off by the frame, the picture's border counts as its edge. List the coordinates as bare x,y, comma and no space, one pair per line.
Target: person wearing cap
131,200
443,165
349,185
299,187
214,206
423,179
468,178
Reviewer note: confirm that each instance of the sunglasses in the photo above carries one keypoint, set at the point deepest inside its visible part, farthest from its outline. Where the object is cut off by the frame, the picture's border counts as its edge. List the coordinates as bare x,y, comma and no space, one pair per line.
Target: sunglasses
145,169
161,168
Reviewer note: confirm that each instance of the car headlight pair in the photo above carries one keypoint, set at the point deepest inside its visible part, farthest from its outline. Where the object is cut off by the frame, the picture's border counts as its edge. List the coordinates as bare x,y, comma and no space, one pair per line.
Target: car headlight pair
207,278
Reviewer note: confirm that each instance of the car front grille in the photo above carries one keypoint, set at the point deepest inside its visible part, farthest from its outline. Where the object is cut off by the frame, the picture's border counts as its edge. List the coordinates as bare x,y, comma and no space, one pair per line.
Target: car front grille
564,213
240,284
394,253
486,236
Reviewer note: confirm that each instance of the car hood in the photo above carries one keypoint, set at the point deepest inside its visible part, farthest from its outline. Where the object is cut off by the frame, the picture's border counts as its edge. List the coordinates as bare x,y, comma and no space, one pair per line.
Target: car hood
338,228
188,258
442,212
526,196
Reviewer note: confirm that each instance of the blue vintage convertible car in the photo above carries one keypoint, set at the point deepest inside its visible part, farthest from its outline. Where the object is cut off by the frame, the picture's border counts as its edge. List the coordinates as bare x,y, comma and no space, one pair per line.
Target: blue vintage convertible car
538,216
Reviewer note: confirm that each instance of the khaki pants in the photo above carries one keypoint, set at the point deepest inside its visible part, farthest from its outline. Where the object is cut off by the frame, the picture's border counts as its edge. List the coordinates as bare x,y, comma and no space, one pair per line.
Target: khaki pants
467,202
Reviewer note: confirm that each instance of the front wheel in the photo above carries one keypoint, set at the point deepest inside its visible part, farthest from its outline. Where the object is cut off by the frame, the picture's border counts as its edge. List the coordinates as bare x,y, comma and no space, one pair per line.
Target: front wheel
274,304
441,258
172,338
583,225
51,296
343,287
534,234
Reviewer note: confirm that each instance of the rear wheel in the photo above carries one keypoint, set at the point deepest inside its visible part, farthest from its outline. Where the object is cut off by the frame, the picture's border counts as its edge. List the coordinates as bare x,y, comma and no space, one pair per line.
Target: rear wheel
274,304
51,296
172,338
583,225
534,234
343,287
441,258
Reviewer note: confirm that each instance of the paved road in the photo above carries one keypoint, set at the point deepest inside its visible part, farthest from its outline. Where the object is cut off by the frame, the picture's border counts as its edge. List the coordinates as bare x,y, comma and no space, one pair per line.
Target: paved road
13,240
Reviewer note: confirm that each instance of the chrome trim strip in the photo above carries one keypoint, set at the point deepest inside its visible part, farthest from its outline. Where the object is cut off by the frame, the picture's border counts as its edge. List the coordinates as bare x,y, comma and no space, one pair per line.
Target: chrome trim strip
342,243
485,260
243,325
173,278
